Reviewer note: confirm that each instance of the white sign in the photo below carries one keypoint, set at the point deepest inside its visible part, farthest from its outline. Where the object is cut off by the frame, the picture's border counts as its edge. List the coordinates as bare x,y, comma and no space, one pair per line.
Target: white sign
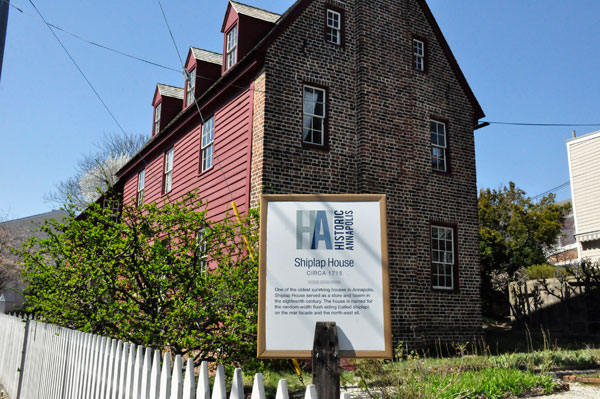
323,258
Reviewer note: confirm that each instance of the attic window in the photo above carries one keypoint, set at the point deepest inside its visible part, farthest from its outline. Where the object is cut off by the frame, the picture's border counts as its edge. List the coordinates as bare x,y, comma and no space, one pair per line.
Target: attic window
231,57
191,88
334,27
157,118
419,55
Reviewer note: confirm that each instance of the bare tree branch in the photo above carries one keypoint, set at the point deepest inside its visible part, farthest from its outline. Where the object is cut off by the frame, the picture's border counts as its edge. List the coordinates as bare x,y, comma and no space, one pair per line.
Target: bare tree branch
95,172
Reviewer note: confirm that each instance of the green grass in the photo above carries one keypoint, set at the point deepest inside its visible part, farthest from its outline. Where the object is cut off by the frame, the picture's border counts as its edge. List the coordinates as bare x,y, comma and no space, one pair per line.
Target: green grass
503,376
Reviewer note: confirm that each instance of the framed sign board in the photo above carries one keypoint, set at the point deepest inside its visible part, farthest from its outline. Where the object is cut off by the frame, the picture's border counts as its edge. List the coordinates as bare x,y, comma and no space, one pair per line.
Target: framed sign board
323,258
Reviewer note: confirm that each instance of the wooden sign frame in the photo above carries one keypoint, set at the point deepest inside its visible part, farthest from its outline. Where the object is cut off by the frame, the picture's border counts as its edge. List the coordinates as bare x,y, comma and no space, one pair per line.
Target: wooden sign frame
265,199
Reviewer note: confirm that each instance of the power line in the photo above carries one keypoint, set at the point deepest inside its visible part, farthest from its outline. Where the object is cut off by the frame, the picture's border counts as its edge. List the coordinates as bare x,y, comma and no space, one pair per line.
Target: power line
170,31
78,68
83,39
543,124
557,188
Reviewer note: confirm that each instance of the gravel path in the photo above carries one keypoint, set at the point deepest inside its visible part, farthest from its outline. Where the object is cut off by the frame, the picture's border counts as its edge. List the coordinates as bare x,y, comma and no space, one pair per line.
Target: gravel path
577,391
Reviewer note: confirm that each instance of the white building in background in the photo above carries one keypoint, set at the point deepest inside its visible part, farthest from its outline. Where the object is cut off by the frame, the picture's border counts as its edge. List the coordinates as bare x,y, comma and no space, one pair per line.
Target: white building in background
19,231
584,170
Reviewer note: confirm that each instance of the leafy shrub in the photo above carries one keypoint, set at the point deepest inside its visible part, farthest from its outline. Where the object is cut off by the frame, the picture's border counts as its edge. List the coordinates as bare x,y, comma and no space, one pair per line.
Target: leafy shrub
538,272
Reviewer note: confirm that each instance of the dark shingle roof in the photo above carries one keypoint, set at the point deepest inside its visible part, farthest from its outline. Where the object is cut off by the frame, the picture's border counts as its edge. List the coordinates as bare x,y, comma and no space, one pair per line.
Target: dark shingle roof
24,228
170,91
207,56
255,12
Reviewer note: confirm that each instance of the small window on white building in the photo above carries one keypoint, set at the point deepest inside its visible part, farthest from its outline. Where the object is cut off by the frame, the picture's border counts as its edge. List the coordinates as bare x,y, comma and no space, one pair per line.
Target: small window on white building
334,27
313,131
168,175
157,110
438,146
419,55
232,40
443,257
207,147
140,188
191,88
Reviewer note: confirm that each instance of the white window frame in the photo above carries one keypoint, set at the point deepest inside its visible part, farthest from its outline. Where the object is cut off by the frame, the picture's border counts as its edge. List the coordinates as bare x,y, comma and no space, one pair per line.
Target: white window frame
202,250
419,55
168,172
157,111
232,44
191,88
439,145
443,257
307,113
141,187
334,32
207,144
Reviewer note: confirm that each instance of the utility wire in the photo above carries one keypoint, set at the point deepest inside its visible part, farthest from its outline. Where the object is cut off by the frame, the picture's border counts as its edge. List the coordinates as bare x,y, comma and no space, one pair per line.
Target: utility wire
83,39
543,124
78,68
557,188
170,31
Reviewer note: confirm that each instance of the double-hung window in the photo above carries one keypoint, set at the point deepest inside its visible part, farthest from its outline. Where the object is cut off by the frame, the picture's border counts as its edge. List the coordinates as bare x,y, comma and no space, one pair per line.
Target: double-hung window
334,27
419,55
314,113
140,188
168,174
232,40
157,118
207,147
438,146
443,257
202,249
191,87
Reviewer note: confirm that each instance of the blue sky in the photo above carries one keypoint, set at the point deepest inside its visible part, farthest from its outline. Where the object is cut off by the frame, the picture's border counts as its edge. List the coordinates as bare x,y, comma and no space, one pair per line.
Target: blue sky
526,61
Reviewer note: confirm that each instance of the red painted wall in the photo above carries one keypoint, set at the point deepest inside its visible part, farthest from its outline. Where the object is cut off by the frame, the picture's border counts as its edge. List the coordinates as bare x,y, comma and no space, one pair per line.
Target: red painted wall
231,166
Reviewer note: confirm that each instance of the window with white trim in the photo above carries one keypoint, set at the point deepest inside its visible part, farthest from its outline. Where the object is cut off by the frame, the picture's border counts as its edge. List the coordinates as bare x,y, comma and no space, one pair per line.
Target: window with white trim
168,175
202,249
334,27
314,113
157,117
207,146
438,146
191,88
232,39
443,257
419,55
140,188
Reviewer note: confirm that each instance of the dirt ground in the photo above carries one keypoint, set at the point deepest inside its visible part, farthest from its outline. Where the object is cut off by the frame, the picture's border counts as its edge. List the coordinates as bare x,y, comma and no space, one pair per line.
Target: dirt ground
577,391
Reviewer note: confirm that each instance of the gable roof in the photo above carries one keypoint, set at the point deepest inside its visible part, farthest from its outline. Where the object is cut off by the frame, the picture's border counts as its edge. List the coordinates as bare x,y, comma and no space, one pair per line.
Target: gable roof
207,56
281,23
453,63
170,91
254,12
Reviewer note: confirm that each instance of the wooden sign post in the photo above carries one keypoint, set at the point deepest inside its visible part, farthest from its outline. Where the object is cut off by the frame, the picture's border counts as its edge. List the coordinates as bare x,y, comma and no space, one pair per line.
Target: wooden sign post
326,361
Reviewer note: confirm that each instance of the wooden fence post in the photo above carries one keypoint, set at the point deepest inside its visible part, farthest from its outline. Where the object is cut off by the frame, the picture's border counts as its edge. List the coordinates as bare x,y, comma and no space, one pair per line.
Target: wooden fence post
326,361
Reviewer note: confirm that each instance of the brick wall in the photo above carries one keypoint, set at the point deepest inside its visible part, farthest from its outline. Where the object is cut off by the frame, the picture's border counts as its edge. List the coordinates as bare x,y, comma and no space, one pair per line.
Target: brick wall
378,115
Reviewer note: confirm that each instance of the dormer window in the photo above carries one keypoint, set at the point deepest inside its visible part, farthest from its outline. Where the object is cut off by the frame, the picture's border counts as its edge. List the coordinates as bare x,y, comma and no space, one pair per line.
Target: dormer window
157,118
231,57
190,88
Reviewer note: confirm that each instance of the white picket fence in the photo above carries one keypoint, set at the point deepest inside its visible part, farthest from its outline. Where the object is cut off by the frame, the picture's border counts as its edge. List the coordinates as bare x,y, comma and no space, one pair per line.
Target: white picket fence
39,360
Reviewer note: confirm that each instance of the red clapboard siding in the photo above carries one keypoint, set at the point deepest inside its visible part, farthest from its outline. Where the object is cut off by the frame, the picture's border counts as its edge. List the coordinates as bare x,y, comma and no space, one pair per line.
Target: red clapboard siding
227,180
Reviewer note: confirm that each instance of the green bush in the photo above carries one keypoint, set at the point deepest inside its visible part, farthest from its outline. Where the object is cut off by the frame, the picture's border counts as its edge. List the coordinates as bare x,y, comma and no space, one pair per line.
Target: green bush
150,278
539,272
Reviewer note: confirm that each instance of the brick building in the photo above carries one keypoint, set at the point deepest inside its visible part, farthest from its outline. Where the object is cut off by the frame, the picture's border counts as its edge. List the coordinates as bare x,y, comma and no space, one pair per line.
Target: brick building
355,96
